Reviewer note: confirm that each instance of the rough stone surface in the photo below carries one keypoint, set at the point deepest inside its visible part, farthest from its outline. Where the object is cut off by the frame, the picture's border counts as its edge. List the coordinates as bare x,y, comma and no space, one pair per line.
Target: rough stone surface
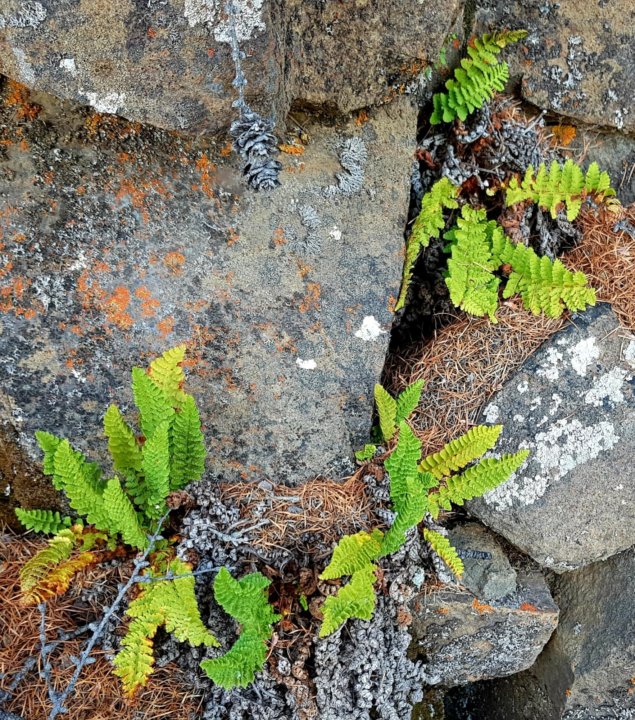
577,59
462,640
586,671
168,62
573,405
488,573
120,242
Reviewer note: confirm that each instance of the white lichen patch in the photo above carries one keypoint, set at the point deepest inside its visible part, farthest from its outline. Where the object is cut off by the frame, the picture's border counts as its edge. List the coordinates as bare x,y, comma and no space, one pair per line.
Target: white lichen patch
607,387
583,354
550,365
306,364
523,387
629,353
336,233
109,103
30,15
27,73
247,18
370,329
492,414
554,454
68,65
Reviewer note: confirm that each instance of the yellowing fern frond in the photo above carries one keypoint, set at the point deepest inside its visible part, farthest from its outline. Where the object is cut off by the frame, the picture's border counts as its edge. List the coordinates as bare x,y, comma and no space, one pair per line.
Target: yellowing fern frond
443,548
460,452
154,406
188,446
478,78
428,225
560,186
354,600
58,580
45,521
167,373
545,285
123,517
59,548
352,553
476,481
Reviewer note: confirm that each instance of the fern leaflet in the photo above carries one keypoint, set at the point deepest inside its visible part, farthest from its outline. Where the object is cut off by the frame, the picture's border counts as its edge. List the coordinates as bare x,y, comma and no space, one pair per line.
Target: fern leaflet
123,446
354,600
460,452
352,553
428,225
239,665
44,521
188,447
402,465
443,548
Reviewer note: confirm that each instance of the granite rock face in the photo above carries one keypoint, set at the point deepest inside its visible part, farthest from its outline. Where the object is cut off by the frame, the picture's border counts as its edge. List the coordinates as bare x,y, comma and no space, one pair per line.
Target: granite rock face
168,62
577,59
120,242
573,405
462,640
586,671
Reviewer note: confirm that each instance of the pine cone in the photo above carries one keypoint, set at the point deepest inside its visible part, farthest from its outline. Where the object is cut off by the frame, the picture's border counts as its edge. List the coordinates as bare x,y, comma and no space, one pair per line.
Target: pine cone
256,144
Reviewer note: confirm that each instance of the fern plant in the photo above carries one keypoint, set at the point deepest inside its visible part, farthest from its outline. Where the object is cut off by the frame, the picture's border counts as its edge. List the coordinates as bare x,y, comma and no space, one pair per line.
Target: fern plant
478,78
561,186
478,248
417,487
428,225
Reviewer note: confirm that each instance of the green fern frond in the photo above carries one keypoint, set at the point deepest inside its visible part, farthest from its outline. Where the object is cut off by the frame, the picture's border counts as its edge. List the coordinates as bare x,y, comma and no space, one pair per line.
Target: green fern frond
478,78
352,553
473,286
246,601
402,465
443,548
545,285
48,444
460,452
122,515
85,495
411,513
188,445
167,373
156,470
408,400
354,600
560,186
387,411
366,453
154,406
123,446
476,481
45,521
428,225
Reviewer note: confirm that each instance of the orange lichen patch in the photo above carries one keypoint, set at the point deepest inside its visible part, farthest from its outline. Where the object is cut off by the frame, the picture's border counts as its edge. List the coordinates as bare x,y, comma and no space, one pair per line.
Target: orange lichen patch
166,326
279,237
442,611
17,96
292,149
311,300
207,169
174,262
563,135
124,157
232,237
149,304
362,118
12,298
303,270
227,149
392,302
115,307
528,607
138,194
481,608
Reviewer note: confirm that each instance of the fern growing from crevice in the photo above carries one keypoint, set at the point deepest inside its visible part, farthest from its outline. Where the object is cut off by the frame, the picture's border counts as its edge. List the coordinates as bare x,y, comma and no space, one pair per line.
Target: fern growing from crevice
443,548
562,186
479,77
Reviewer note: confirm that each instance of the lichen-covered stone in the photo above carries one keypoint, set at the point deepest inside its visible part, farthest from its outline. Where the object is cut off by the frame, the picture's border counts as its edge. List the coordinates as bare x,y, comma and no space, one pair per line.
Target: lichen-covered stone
577,59
120,242
168,62
573,405
586,670
462,639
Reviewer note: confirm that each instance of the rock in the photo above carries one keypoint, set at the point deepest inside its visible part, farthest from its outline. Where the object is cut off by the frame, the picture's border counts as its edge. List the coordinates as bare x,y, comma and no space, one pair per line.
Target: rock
573,405
168,62
577,59
586,670
462,639
120,242
488,573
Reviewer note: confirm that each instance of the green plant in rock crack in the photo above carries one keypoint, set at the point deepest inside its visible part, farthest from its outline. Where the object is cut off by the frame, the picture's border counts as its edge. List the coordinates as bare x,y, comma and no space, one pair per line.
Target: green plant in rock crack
126,513
418,487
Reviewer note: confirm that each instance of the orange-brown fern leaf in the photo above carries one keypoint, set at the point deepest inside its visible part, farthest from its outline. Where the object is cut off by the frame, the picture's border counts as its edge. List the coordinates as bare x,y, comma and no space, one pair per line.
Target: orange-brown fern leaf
58,580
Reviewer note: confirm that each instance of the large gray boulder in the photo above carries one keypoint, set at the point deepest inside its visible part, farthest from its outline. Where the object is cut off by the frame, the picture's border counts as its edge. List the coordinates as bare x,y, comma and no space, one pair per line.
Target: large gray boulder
573,405
577,59
120,243
586,671
168,62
